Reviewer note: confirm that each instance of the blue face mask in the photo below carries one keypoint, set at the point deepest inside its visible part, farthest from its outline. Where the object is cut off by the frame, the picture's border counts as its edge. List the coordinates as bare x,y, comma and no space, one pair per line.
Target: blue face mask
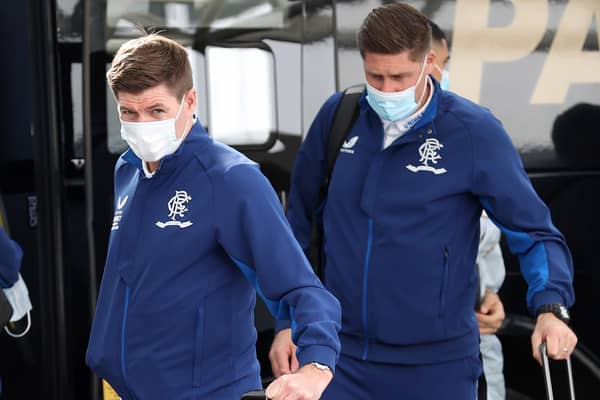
445,81
394,106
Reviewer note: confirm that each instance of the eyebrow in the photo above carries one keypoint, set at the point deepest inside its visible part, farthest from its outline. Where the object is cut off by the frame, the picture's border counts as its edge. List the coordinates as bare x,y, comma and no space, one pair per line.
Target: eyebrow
150,107
156,105
398,75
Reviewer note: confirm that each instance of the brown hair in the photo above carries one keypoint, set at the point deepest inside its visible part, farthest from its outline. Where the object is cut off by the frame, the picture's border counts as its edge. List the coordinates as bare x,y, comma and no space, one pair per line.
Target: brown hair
395,28
149,61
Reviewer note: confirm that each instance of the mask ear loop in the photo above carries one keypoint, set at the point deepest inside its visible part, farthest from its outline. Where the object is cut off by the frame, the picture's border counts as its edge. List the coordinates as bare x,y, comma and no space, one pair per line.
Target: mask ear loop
20,335
419,80
177,117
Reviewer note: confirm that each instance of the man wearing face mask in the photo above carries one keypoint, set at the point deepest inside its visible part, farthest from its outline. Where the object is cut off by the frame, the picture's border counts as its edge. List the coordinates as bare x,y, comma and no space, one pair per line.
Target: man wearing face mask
197,232
401,225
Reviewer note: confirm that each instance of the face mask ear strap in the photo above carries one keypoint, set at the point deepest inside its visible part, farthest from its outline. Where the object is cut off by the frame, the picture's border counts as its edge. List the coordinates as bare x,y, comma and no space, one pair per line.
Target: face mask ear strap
422,69
20,335
180,106
420,76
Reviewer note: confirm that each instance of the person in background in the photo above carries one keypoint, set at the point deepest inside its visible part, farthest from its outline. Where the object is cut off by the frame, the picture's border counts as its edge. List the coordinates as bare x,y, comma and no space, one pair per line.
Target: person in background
401,225
197,232
490,264
13,286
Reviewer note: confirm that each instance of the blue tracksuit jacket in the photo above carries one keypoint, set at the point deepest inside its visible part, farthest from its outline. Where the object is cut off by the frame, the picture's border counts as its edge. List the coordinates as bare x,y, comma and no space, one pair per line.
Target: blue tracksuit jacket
401,228
187,251
11,256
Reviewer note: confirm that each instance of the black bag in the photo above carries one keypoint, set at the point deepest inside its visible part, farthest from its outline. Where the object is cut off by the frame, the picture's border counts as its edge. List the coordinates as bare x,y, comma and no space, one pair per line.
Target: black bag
345,116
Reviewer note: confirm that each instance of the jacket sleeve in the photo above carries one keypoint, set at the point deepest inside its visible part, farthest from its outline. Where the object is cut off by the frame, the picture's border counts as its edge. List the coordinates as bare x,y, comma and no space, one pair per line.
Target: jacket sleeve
506,193
11,256
253,230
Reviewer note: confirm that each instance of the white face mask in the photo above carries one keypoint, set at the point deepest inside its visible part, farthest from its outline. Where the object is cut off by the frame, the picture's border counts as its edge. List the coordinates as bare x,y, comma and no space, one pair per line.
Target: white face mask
151,141
18,297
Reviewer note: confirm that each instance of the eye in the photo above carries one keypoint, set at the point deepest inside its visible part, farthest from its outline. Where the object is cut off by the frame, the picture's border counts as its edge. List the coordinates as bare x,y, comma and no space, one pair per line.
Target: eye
158,111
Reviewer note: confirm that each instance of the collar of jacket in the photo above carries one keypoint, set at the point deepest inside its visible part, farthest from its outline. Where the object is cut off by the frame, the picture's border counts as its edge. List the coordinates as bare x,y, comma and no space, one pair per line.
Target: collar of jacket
426,119
169,162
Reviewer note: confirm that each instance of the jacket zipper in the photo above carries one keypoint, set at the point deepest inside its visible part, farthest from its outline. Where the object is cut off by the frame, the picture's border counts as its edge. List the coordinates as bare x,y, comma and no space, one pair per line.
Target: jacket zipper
123,329
444,284
365,281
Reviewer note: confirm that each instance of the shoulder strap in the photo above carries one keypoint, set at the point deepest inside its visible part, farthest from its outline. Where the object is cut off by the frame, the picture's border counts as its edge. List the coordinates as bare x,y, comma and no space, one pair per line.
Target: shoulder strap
345,116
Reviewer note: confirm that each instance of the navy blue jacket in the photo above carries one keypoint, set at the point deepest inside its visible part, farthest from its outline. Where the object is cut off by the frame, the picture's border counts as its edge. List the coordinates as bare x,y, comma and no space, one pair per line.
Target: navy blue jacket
401,227
11,256
188,249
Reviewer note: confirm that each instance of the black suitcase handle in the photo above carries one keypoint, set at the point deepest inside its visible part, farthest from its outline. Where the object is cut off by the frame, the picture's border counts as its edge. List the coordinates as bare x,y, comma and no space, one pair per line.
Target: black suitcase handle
548,378
254,395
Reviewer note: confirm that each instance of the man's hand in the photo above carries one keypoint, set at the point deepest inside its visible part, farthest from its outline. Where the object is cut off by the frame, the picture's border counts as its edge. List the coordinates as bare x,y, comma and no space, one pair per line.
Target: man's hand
308,383
490,314
283,354
560,339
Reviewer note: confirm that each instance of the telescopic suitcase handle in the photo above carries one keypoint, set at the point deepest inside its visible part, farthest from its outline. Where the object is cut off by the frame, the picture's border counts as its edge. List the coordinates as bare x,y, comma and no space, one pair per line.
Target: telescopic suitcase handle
254,395
548,378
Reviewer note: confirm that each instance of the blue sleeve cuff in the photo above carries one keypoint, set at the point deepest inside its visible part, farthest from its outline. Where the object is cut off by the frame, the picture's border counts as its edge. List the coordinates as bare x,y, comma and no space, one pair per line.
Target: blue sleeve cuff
282,324
545,297
321,354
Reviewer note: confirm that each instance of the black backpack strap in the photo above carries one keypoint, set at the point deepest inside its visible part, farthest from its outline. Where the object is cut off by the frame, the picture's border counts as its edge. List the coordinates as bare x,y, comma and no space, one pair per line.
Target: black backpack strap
343,120
345,116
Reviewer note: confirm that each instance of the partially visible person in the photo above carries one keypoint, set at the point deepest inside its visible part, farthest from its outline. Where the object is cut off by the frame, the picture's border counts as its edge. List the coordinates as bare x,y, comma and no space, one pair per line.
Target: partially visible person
575,135
198,231
401,225
490,313
441,50
490,264
13,286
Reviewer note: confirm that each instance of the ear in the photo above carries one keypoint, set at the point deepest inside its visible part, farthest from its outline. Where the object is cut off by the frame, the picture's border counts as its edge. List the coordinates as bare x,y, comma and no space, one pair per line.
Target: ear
430,62
191,100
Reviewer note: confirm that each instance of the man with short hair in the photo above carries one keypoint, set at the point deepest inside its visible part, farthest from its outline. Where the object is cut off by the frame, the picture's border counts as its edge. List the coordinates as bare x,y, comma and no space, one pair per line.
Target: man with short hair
401,225
197,231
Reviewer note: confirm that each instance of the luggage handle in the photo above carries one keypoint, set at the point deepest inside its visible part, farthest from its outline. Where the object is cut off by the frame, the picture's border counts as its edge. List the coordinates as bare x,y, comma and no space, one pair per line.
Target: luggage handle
254,395
548,378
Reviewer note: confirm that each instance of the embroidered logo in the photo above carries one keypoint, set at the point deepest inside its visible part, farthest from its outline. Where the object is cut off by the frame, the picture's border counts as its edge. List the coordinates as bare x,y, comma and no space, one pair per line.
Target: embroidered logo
429,153
177,208
119,212
347,146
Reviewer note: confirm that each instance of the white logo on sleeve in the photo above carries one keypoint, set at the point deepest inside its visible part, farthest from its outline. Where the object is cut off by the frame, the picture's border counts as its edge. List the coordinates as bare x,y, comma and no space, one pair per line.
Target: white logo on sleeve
119,212
347,146
177,208
121,202
429,153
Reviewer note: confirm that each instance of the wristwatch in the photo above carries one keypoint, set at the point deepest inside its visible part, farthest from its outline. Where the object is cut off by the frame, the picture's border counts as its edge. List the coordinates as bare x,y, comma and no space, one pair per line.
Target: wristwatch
561,312
320,366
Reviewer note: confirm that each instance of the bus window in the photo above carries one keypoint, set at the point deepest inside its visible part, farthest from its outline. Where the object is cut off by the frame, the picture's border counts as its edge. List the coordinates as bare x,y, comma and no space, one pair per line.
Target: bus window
241,95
